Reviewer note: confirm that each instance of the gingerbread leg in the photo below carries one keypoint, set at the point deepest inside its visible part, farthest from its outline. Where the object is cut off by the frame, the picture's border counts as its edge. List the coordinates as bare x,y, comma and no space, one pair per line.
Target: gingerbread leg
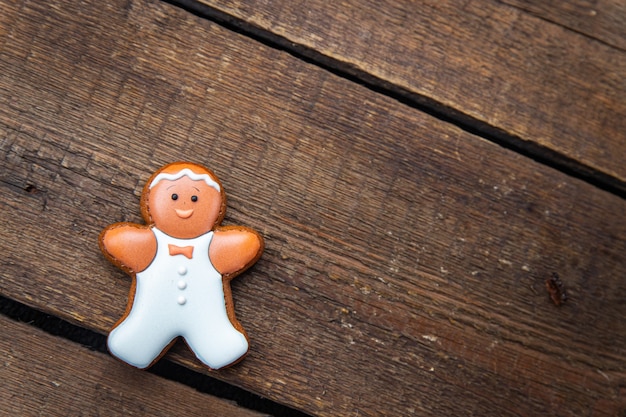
137,342
217,349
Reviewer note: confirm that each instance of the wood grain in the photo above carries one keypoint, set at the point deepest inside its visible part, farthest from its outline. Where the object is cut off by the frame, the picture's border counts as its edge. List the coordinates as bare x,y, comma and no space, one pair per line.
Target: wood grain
405,259
535,80
47,375
599,19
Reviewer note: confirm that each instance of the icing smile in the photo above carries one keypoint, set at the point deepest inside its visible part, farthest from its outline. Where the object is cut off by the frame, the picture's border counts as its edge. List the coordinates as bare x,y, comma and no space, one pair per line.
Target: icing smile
184,214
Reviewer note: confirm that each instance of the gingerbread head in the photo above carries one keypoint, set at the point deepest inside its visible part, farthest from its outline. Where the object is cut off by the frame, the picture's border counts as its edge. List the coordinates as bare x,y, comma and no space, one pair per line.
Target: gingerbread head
184,200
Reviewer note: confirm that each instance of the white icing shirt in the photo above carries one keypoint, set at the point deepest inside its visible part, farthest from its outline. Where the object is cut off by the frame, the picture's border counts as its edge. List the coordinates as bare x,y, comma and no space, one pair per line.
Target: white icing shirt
176,296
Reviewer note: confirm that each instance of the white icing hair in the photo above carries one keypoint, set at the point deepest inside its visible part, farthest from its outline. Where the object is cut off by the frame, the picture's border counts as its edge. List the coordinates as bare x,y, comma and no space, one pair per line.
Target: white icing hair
192,175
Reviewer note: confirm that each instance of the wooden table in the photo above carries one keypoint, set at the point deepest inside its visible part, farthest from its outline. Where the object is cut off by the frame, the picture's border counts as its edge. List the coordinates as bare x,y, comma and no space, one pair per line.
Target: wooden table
418,171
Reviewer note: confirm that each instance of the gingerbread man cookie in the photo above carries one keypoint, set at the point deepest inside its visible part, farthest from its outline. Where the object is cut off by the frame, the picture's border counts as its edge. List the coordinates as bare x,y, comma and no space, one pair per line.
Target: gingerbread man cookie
181,262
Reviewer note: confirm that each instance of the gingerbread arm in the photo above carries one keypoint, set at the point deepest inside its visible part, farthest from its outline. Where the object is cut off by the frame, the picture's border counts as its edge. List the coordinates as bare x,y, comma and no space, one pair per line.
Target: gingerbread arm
130,246
234,249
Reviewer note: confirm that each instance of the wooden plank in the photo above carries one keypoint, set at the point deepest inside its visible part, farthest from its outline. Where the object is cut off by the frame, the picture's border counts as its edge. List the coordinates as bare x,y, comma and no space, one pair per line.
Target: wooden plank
405,259
600,19
539,82
47,375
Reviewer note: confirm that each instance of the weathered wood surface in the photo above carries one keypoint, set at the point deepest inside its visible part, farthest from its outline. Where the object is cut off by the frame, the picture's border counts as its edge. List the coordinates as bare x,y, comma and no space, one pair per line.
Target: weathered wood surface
535,80
47,375
405,260
603,20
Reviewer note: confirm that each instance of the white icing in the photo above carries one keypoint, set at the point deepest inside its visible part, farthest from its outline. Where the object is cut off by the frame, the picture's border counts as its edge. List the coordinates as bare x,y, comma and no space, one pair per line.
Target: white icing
192,175
182,270
181,285
160,313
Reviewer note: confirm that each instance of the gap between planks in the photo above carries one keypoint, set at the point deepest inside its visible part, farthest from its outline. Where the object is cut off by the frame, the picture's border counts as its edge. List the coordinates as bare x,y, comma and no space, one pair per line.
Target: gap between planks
166,369
532,150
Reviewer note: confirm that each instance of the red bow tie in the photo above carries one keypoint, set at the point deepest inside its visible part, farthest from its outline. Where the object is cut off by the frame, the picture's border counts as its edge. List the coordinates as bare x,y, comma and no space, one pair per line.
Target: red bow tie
178,250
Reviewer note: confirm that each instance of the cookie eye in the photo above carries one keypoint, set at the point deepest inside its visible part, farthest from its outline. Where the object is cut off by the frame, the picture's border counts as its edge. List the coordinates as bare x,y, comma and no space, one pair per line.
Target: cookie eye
174,196
194,198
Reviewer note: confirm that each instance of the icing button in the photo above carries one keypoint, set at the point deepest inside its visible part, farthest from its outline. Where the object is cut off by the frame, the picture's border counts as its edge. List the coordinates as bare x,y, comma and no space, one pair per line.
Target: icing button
182,285
182,270
181,300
